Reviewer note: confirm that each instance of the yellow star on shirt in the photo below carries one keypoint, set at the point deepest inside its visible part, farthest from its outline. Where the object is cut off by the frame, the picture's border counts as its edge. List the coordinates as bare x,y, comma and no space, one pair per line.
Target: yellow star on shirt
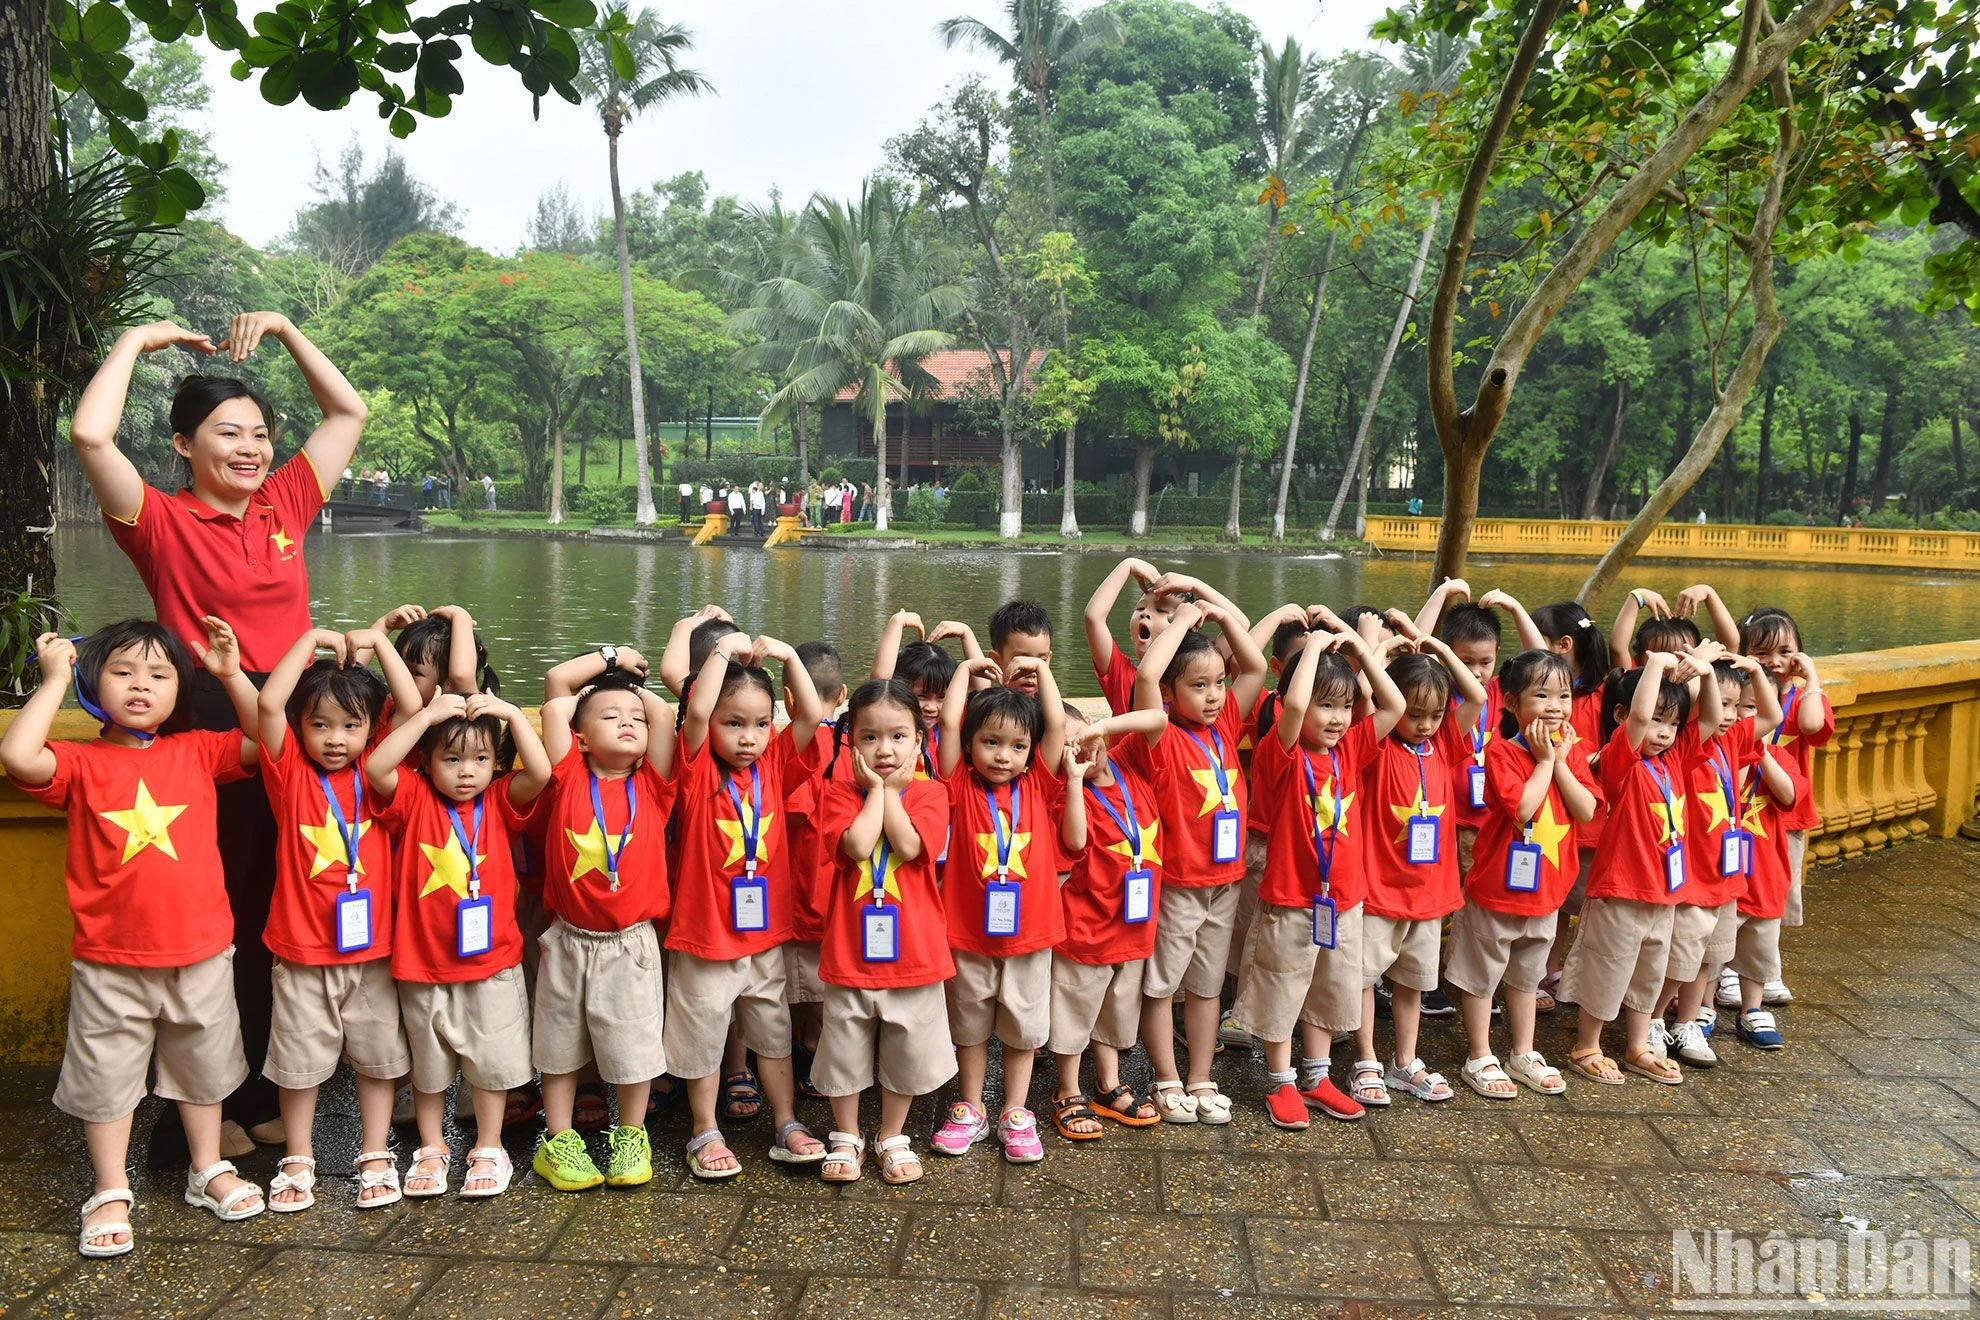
1715,802
282,540
733,830
863,887
1548,832
328,841
1324,806
590,847
1149,857
1667,819
450,867
1018,842
1756,811
1213,799
1416,807
146,823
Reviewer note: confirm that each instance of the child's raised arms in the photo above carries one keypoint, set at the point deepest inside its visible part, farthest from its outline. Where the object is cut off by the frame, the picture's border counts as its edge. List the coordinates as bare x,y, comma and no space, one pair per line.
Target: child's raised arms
1530,636
888,654
1687,604
706,693
956,700
1623,632
1074,767
804,708
381,768
399,681
1263,631
24,753
1808,710
1251,667
390,622
562,684
272,719
221,657
1766,701
1172,584
962,632
1148,724
1643,706
1470,692
1052,743
674,659
1100,607
533,767
1707,708
1161,652
1439,597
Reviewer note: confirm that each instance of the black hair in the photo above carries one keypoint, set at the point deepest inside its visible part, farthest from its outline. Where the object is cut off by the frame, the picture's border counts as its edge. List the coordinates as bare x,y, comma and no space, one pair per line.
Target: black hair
197,397
1351,616
1523,673
1619,693
429,641
353,689
873,692
613,680
1670,634
1471,623
1725,671
1018,616
1334,675
702,641
1586,647
1288,637
925,667
740,676
456,732
1074,712
1193,645
1008,705
821,663
147,635
1768,625
1415,673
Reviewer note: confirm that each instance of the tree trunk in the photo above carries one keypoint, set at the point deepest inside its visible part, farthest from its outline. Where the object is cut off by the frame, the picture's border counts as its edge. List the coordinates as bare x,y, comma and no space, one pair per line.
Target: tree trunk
1880,474
1591,499
881,490
1847,501
1265,266
1233,530
1728,473
1144,468
1766,454
28,420
804,445
1068,510
643,514
1958,449
1010,484
906,424
556,470
1361,494
584,462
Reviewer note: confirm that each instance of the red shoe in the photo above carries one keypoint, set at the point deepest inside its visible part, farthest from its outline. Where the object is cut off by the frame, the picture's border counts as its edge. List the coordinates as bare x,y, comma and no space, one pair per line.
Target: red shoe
1332,1101
1285,1108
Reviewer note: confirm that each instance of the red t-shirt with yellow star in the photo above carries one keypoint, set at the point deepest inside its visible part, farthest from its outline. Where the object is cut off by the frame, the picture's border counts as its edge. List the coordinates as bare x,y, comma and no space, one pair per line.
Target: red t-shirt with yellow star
1117,681
431,873
1629,862
1472,744
143,869
1508,765
312,862
1030,812
1791,744
576,873
1096,889
811,868
921,926
1401,783
1728,758
1585,714
1280,799
1767,888
713,834
1187,788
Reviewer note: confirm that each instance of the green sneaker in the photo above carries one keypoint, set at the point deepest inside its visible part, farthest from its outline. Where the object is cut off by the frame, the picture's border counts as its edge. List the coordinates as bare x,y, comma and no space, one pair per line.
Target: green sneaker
632,1157
564,1163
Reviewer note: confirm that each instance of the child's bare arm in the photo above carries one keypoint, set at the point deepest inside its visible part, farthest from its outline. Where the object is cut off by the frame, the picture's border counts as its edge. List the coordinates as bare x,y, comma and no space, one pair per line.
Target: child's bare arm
1644,707
1439,597
463,675
1623,632
1547,758
1156,659
888,654
1530,636
1249,681
862,836
580,672
1780,784
1575,795
399,682
806,711
954,702
272,713
962,632
661,739
1150,724
1100,607
221,657
388,623
1072,829
674,660
903,840
707,690
1263,631
381,768
1170,584
1386,701
1471,693
1767,702
1808,710
1691,598
532,762
556,716
1298,697
1052,744
24,750
1709,710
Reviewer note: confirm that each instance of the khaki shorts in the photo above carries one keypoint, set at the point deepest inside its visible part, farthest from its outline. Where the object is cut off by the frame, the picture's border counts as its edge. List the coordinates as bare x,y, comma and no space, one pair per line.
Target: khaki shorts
1490,949
1278,971
1404,951
600,996
1247,908
1692,929
1757,949
704,997
532,918
123,1021
1797,842
1095,1003
477,1028
1578,891
1619,957
1008,997
899,1036
801,983
1719,945
1333,996
1192,941
323,1014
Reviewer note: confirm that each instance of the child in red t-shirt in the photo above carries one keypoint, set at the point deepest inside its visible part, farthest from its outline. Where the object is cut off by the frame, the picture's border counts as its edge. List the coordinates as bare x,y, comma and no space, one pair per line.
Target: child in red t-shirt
152,982
885,954
927,669
1154,613
456,947
811,866
1001,888
1773,790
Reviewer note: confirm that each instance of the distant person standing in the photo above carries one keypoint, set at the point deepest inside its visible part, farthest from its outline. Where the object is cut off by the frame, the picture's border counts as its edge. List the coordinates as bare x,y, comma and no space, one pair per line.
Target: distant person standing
1700,519
384,480
756,507
737,505
865,502
488,491
443,490
848,494
707,496
687,501
835,495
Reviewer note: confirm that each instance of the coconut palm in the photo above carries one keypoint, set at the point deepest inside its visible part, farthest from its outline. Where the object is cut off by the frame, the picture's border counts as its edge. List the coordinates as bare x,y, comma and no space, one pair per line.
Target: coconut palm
859,302
1290,135
627,67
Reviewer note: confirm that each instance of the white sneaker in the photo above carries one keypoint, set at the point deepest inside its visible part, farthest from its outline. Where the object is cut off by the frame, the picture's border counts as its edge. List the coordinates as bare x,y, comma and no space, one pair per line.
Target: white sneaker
1728,996
1230,1033
1690,1044
1660,1038
402,1105
1707,1019
1776,992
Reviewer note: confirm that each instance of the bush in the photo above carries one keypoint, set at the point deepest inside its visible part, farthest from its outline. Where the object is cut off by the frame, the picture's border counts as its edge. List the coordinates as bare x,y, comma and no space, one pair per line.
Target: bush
971,482
1954,520
1891,520
921,507
1786,518
603,504
831,476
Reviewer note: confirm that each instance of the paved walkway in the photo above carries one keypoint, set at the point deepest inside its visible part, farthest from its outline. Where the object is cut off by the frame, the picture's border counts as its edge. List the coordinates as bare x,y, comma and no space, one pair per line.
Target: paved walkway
1473,1208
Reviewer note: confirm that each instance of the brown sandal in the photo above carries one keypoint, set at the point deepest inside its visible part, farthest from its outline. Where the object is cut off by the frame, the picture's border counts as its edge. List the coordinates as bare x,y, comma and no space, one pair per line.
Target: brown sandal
1655,1068
1070,1110
1595,1066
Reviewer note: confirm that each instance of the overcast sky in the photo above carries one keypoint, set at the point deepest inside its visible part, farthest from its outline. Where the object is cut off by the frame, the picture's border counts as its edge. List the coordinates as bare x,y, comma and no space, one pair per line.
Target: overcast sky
807,95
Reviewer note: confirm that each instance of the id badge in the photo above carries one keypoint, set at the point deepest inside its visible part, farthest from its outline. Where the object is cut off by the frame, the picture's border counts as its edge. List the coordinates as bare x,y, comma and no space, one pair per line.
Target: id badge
942,858
1474,776
1732,852
1422,840
1000,908
1746,852
1138,896
474,926
879,934
749,904
1674,868
519,854
1226,836
1326,923
353,921
1523,868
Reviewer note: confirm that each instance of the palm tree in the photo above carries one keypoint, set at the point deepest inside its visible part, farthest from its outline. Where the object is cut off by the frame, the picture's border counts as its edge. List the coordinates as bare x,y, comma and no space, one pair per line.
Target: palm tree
1290,136
626,69
859,302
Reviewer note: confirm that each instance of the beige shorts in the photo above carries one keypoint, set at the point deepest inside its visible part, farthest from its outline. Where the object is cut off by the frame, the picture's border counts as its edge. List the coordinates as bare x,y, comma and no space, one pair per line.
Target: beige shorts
801,983
1757,949
704,997
1619,957
1404,951
1719,945
1279,958
1333,996
1692,929
1095,1003
479,1029
1192,941
1797,844
323,1014
532,918
1578,891
1010,998
1490,949
600,996
123,1021
1247,908
899,1036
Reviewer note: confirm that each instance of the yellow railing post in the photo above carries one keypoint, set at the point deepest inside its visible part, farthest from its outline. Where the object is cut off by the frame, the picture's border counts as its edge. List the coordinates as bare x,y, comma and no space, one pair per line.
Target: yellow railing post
1844,547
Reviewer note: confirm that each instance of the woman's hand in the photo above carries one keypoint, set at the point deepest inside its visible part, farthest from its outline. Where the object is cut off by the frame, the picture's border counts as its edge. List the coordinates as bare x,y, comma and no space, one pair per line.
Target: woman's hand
167,334
247,330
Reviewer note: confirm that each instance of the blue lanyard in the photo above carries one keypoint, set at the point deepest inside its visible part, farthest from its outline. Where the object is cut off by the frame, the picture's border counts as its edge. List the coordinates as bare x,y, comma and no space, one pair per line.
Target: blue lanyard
349,830
879,860
469,845
612,855
1787,713
752,829
1479,737
1130,824
1422,781
1722,770
1662,779
1004,841
929,746
1216,760
1326,854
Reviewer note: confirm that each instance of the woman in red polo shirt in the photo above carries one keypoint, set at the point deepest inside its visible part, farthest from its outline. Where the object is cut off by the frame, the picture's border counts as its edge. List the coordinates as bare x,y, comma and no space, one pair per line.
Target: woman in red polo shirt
229,543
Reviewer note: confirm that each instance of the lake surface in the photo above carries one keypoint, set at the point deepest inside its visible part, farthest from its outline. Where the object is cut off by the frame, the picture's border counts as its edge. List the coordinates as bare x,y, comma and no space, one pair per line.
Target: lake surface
541,601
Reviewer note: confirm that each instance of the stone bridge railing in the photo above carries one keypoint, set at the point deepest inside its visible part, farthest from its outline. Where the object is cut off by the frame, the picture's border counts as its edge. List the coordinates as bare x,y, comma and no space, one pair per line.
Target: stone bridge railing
1859,547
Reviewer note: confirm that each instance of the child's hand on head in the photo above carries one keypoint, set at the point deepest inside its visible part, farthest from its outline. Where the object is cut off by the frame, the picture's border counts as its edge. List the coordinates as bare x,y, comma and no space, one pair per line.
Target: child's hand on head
631,660
1190,614
1647,599
909,619
1319,616
945,630
707,612
487,703
1799,663
1393,647
985,667
445,706
56,655
393,620
356,642
737,646
1457,587
1142,571
1495,597
222,653
1690,599
1403,624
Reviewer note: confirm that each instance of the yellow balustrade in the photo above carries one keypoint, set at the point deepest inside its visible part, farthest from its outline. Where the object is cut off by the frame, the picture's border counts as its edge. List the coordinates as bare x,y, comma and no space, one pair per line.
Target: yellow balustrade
712,526
1858,547
1904,763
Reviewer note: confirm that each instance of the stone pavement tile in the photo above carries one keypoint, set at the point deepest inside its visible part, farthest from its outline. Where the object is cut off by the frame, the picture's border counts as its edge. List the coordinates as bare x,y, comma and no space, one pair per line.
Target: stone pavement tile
514,1290
839,1237
1392,1190
1306,1256
1262,1308
1161,1253
965,1180
912,1299
39,1131
1067,1304
1742,1145
1521,1266
1698,1201
1777,1095
1900,1099
334,1221
1637,1095
1911,1058
1897,991
1484,1136
1572,1139
1327,1137
331,1284
1892,1205
1892,1022
1890,1151
1562,1198
995,1246
1238,1185
518,1225
1382,1311
1827,960
29,1260
1965,1192
1638,1266
47,1195
1939,960
158,1279
1802,1058
649,1228
701,1295
1120,1176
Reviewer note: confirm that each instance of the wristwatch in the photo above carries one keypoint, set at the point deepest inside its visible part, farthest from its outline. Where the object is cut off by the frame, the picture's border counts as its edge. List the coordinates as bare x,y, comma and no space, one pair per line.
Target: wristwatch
610,654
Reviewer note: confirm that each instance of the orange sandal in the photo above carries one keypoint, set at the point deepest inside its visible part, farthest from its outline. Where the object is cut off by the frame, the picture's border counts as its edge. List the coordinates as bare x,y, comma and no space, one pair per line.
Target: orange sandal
1595,1066
1072,1109
1109,1108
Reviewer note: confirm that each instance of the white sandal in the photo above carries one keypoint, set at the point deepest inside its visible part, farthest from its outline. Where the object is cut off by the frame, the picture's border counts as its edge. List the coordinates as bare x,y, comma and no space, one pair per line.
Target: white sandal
894,1152
387,1177
304,1182
845,1157
1212,1106
780,1149
1173,1103
505,1169
1532,1071
228,1207
702,1141
1368,1084
1479,1074
105,1250
1432,1090
425,1155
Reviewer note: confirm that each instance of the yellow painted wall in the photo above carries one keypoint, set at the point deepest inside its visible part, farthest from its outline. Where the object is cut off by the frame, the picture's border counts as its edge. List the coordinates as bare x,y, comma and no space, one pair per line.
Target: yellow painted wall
1861,547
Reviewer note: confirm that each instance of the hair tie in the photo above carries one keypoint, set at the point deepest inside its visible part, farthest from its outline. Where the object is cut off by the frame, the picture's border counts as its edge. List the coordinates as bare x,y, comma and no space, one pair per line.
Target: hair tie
1584,622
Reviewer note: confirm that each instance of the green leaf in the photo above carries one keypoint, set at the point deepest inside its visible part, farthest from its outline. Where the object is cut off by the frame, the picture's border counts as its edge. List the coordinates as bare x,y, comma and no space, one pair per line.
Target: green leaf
241,70
326,81
120,135
276,27
64,22
491,42
278,85
567,13
398,56
623,63
182,187
402,123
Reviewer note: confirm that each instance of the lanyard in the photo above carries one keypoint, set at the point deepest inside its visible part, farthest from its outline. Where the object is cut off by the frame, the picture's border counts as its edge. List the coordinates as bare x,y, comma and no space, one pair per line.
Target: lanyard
1216,759
1479,737
1004,841
1326,854
928,749
1662,778
1787,713
352,830
879,860
612,855
1422,782
1722,770
469,845
1526,827
1130,824
752,828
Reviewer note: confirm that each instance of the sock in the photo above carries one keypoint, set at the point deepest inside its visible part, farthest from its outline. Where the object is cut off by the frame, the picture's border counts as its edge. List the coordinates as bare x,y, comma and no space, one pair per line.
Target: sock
1275,1080
1313,1071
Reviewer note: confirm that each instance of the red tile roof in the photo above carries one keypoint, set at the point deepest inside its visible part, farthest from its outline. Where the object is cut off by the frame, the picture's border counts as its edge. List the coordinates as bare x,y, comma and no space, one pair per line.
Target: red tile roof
952,368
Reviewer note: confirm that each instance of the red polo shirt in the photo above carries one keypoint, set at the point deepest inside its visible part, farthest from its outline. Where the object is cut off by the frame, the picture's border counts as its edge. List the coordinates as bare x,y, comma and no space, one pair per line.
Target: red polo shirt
195,560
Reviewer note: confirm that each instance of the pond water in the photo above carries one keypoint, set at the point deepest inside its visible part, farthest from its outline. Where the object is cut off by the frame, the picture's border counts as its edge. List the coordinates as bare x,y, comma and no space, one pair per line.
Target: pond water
540,601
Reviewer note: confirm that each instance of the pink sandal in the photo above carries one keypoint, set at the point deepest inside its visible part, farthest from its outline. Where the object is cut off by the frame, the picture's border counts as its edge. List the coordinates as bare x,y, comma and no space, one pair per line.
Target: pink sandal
1018,1130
